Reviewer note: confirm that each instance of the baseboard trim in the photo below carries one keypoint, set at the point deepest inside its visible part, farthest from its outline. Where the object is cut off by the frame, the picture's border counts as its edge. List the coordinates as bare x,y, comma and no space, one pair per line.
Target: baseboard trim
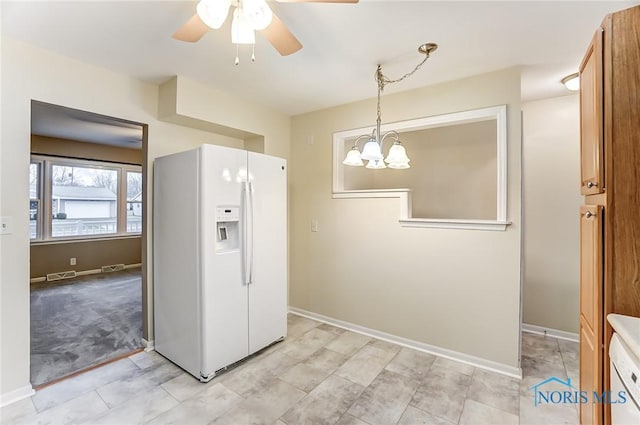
16,395
478,362
86,272
540,330
148,345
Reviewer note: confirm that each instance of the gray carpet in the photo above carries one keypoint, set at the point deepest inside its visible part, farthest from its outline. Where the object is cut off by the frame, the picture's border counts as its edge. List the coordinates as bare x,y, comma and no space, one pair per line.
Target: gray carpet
83,322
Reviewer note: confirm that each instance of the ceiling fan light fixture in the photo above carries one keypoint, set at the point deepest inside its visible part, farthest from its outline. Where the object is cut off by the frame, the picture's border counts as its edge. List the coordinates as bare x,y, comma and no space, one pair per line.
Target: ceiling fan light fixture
213,12
258,13
241,30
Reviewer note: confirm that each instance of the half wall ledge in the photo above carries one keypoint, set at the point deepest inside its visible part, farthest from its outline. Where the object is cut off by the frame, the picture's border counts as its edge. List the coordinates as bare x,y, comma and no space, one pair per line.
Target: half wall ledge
406,220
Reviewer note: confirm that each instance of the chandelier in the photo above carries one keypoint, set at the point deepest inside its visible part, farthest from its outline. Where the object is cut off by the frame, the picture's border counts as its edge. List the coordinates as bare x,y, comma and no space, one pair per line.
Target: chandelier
372,150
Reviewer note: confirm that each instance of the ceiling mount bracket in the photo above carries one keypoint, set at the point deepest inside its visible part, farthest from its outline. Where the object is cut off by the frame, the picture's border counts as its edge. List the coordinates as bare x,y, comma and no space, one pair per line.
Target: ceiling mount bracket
427,48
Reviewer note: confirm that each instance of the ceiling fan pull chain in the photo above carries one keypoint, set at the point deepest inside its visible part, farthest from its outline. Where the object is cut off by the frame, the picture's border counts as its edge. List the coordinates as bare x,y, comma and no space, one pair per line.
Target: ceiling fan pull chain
253,53
237,58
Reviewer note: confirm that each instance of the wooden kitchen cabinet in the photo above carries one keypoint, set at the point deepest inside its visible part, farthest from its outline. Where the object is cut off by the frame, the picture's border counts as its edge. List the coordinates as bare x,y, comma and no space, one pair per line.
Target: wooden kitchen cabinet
591,287
591,118
610,182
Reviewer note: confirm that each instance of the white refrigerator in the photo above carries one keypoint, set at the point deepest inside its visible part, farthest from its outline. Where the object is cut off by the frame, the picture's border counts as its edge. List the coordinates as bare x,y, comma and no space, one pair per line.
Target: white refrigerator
220,256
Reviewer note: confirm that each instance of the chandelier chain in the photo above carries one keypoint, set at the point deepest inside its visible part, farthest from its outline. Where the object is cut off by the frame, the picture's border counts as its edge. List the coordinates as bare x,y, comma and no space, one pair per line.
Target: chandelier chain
383,80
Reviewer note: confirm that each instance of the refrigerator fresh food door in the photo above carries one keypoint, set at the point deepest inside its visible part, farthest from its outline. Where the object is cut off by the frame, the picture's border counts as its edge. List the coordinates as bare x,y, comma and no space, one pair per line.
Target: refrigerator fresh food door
268,259
224,292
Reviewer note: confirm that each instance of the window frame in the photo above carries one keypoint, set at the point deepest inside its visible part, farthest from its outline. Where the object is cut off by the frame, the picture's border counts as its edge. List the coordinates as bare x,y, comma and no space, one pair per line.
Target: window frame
127,201
38,198
45,213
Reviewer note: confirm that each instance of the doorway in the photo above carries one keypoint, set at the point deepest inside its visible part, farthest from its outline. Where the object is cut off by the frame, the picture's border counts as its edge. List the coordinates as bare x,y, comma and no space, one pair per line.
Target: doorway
87,240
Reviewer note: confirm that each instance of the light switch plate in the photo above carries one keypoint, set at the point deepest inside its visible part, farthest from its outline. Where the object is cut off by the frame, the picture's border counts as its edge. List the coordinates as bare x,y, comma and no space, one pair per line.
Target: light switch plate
314,225
6,225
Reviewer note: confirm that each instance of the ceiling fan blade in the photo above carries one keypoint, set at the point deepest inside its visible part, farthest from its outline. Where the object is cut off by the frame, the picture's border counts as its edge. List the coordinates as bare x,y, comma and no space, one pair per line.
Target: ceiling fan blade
280,37
317,1
192,30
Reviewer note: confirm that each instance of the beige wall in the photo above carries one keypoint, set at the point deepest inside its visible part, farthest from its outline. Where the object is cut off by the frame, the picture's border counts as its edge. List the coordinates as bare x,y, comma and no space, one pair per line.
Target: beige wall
551,175
455,289
32,73
90,255
452,175
43,145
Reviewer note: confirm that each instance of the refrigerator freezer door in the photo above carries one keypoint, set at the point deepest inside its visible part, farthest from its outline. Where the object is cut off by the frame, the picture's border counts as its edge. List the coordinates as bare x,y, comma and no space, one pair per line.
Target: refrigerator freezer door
268,287
224,294
176,260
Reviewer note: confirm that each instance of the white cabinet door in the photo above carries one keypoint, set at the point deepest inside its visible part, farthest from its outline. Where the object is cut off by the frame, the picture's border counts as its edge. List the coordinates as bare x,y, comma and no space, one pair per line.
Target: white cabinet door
268,290
224,293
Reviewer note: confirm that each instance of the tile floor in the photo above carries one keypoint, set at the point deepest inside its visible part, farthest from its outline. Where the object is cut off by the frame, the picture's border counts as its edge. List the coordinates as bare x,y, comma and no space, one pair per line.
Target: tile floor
319,375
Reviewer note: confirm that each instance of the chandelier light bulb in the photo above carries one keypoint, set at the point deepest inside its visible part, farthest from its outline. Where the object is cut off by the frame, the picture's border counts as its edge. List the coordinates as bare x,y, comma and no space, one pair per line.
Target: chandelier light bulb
371,150
353,158
399,165
376,164
397,154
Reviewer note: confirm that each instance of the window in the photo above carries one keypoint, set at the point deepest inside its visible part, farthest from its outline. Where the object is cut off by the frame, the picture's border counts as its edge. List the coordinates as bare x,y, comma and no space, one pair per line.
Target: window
83,199
34,199
134,202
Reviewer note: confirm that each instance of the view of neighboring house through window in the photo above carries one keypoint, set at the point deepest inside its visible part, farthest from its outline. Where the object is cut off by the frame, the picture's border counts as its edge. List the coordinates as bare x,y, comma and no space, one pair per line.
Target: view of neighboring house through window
84,199
134,202
34,199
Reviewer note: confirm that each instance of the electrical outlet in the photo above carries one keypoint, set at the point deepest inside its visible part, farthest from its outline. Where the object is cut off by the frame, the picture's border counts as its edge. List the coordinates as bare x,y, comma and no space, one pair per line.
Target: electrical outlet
72,261
314,225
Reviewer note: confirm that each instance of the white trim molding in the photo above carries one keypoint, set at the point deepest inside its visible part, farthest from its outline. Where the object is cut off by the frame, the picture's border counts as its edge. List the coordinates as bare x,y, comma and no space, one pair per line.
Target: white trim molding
16,395
455,224
540,330
86,272
514,372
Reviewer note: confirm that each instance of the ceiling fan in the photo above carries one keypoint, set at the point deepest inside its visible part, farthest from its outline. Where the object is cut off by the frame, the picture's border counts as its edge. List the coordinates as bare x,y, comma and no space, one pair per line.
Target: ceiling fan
248,16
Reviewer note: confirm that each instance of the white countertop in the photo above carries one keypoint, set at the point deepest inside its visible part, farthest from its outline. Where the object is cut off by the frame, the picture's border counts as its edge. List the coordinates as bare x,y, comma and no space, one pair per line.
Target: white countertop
628,328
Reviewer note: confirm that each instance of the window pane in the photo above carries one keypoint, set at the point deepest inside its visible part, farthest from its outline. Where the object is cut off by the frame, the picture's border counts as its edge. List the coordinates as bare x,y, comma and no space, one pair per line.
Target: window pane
34,195
83,201
134,202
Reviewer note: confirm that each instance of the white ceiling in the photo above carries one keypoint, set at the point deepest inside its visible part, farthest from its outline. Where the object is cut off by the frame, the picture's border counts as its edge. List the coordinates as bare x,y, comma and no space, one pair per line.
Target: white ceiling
343,43
82,126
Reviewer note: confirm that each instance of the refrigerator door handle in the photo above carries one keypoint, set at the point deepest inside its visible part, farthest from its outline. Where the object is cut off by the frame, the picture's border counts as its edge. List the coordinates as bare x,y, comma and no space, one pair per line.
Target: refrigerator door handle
245,217
250,235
